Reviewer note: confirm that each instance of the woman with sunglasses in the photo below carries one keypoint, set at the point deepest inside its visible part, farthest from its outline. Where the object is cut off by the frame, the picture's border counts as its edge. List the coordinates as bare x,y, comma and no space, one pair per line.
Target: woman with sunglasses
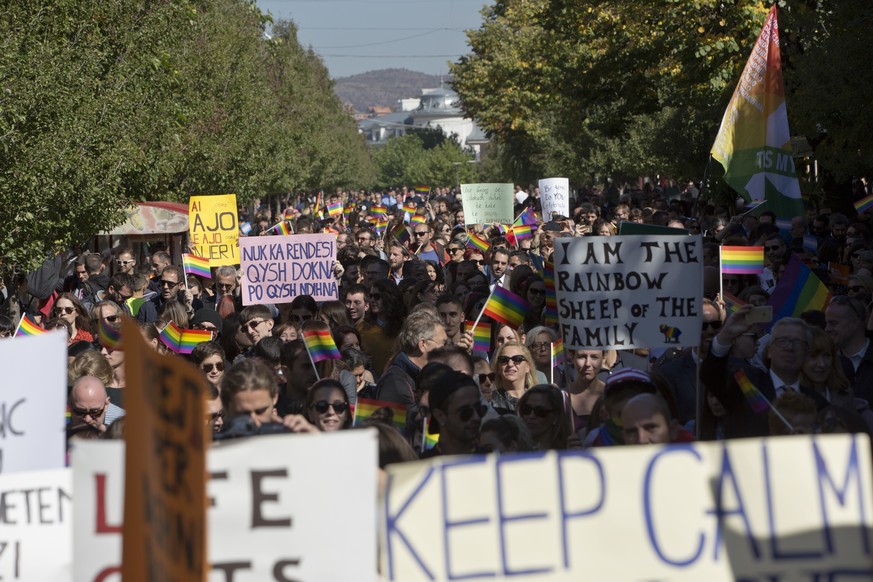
209,357
542,410
70,309
539,341
327,406
513,368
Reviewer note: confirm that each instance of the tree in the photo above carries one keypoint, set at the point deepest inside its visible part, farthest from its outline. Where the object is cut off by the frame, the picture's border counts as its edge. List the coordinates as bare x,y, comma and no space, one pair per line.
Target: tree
406,160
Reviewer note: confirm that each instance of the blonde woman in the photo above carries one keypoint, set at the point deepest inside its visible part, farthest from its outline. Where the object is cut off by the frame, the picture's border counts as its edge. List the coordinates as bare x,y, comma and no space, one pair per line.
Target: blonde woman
513,369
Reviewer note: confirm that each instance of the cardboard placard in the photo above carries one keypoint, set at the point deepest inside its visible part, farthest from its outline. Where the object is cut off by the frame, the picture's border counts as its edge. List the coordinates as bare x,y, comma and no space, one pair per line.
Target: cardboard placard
487,203
555,197
276,269
213,226
634,291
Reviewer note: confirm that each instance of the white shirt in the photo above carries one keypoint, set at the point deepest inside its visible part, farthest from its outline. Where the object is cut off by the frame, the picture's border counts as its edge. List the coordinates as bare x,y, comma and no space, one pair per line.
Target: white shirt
781,386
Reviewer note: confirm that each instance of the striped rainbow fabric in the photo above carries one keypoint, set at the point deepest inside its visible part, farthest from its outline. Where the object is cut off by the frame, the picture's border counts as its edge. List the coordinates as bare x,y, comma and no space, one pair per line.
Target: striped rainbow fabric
320,345
195,265
551,316
378,210
28,327
282,228
183,341
335,209
864,204
742,260
506,307
428,440
756,400
401,233
559,356
366,407
419,219
798,290
522,232
108,334
481,336
422,190
475,241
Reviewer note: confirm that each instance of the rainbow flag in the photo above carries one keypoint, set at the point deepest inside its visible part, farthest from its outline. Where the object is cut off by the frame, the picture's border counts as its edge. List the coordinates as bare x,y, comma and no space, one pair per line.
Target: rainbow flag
481,336
528,218
335,209
409,208
320,345
422,190
501,229
401,233
742,260
289,213
732,302
755,125
558,354
419,219
195,265
108,334
365,407
864,204
282,228
756,400
380,225
474,241
798,290
27,327
378,210
183,341
428,440
506,307
551,315
522,232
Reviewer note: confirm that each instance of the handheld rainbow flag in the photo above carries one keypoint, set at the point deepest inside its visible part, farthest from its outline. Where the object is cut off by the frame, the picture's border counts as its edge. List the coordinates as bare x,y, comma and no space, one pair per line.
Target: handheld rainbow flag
522,232
320,345
366,408
526,218
474,241
798,290
754,143
409,208
401,234
195,265
27,327
558,354
481,335
732,302
380,225
756,400
183,341
428,440
506,307
864,204
419,219
335,209
551,315
742,260
378,210
282,228
422,190
108,334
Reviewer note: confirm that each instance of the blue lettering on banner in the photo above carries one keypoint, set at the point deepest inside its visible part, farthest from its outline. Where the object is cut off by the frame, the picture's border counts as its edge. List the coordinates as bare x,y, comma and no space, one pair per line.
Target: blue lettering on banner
392,530
448,524
566,456
503,518
853,472
647,506
727,474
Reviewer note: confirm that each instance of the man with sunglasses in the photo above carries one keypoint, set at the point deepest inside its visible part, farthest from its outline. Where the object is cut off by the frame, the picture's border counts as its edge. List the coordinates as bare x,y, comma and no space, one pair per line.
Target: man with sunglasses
456,415
422,241
846,322
90,405
125,262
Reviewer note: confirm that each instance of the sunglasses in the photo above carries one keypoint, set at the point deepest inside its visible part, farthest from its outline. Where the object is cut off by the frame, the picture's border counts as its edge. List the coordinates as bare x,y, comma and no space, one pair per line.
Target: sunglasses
537,346
209,367
213,416
419,233
322,405
92,412
67,310
124,263
465,413
711,325
518,359
539,411
253,324
225,285
453,249
490,377
165,283
480,263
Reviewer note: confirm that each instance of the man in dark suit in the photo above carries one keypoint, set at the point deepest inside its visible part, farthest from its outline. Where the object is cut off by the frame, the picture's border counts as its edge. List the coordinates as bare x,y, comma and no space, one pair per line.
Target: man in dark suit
846,322
788,348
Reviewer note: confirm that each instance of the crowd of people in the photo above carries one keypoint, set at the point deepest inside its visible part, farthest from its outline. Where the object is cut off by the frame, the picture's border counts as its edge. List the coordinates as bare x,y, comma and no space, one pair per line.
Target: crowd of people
399,324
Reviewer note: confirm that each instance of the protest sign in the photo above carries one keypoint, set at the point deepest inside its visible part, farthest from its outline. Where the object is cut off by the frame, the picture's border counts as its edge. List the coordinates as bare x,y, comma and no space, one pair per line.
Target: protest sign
277,510
276,269
165,472
32,402
623,292
555,197
780,509
214,229
487,203
36,525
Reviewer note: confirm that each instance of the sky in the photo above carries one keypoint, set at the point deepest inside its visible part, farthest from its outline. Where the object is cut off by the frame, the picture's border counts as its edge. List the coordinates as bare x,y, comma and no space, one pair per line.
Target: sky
355,36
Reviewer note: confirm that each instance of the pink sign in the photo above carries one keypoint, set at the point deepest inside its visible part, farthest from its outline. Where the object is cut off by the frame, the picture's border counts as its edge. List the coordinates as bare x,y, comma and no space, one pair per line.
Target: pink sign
276,269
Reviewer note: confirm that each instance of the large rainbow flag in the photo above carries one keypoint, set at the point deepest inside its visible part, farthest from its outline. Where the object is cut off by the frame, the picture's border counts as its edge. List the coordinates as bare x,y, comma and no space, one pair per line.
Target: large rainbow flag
506,307
798,290
754,143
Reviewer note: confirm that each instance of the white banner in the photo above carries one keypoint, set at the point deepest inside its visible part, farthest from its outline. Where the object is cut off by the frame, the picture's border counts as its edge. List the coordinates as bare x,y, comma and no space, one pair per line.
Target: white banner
795,508
33,401
622,292
282,507
36,525
555,197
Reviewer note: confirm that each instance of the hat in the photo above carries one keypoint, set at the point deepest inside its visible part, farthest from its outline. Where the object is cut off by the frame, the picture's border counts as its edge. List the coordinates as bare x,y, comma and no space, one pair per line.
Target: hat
443,389
629,378
206,315
552,226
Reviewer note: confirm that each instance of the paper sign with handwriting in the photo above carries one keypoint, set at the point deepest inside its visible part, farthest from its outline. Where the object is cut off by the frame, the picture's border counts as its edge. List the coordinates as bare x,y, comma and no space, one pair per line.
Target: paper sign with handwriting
555,197
487,203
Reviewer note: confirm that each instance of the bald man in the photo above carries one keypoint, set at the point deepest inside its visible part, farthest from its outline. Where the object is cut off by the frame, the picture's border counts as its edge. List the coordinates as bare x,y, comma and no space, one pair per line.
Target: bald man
646,420
89,404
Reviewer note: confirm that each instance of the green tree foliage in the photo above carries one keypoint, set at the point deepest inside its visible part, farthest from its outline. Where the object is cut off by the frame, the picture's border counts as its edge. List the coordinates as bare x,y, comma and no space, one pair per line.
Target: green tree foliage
423,159
105,103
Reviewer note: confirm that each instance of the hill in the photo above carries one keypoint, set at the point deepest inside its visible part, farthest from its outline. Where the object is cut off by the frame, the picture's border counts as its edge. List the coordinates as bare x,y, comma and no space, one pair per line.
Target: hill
382,87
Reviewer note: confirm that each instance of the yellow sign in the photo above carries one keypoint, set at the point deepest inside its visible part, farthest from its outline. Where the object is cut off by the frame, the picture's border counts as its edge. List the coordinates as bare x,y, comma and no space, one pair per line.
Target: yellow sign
165,469
214,228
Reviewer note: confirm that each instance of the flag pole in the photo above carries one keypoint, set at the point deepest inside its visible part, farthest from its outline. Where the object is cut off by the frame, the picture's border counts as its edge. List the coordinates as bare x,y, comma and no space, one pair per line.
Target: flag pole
552,362
18,327
311,361
475,323
720,275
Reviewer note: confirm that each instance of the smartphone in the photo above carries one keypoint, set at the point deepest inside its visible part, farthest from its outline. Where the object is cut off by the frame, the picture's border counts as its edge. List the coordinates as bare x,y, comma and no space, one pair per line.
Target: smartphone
762,314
